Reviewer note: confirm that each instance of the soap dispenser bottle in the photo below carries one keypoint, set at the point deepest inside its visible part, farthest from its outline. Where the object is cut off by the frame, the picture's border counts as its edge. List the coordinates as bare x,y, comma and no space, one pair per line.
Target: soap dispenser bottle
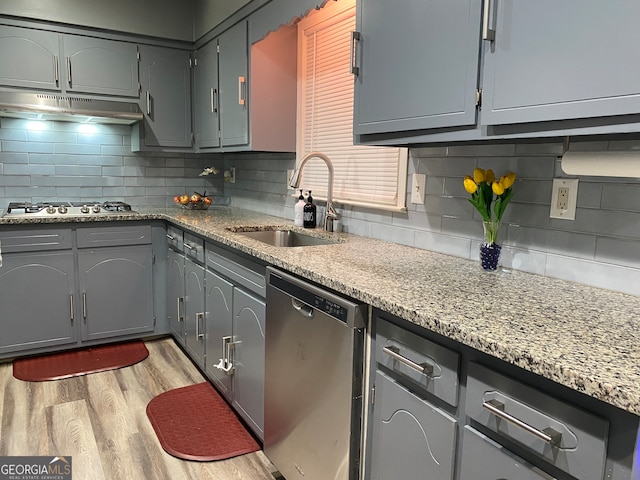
299,211
309,213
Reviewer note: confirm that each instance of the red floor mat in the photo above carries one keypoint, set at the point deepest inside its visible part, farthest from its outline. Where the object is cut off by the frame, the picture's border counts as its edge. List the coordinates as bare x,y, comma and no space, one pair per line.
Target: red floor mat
79,362
195,423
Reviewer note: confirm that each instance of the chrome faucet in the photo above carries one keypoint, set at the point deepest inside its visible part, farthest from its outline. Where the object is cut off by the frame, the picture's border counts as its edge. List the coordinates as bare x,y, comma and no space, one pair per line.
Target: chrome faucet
330,213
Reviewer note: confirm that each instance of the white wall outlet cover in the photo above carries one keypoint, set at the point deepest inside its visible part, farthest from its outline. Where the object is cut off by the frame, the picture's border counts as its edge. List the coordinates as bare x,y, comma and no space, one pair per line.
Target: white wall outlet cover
564,197
418,184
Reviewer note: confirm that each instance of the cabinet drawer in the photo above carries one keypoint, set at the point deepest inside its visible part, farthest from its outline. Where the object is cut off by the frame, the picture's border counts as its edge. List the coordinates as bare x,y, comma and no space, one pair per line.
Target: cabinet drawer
483,459
412,439
238,269
175,238
435,368
194,247
114,236
576,440
33,240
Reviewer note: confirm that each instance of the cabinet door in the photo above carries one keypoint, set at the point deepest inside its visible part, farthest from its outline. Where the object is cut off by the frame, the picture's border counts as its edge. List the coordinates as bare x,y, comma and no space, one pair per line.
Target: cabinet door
483,459
37,301
41,48
175,294
165,76
194,314
219,318
117,290
411,439
234,118
418,65
248,358
100,66
207,96
554,60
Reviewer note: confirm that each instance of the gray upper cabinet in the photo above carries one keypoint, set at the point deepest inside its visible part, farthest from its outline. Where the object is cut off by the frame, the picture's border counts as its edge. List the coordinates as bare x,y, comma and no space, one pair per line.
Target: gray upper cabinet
416,65
165,100
42,49
207,96
94,65
556,60
233,86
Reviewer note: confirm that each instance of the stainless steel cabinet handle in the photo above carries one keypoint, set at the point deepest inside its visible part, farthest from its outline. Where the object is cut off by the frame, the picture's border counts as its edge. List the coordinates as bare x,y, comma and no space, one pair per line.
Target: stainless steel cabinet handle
180,317
71,309
84,306
488,33
148,103
214,96
188,247
56,70
423,368
199,320
241,84
355,38
171,237
548,435
69,71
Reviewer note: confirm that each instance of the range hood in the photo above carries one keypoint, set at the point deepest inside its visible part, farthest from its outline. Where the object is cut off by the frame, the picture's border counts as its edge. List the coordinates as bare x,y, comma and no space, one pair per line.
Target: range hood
38,106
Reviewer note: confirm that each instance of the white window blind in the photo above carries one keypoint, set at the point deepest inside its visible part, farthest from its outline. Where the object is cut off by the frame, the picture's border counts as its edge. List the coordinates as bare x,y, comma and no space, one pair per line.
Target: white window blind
364,175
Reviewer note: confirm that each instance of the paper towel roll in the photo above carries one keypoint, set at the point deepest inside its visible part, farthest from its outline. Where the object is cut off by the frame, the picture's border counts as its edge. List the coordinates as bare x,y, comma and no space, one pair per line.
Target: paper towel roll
602,164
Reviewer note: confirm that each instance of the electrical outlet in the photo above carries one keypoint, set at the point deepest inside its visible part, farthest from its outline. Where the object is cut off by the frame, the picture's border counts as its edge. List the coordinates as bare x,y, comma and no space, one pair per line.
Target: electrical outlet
418,182
564,196
230,175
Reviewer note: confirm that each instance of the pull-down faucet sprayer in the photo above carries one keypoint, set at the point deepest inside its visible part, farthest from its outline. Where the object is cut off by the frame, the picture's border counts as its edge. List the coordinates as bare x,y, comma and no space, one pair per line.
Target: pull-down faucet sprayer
330,213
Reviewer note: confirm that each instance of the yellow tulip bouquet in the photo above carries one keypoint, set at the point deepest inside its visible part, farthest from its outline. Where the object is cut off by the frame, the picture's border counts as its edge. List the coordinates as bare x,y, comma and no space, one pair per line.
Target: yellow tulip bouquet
482,187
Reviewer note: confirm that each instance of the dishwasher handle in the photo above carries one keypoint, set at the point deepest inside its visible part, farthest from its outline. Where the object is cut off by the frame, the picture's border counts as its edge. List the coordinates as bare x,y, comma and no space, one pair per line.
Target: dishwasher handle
302,308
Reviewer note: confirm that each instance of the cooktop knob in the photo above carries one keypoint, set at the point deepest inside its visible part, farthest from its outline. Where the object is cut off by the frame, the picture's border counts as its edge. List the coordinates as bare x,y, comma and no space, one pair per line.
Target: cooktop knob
51,209
96,209
62,209
84,209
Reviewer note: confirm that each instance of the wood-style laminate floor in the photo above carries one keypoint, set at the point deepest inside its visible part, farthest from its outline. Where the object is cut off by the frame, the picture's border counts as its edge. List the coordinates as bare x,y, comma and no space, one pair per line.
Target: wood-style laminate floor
100,421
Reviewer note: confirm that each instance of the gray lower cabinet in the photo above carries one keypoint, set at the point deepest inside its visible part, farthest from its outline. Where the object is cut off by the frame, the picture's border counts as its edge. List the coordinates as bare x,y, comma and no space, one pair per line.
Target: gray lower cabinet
165,100
194,311
219,331
37,295
412,439
116,284
175,294
249,314
235,332
483,459
417,65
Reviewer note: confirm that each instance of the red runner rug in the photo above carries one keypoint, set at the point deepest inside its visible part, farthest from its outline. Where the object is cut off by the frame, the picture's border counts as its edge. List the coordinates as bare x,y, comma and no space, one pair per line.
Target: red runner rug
195,423
79,362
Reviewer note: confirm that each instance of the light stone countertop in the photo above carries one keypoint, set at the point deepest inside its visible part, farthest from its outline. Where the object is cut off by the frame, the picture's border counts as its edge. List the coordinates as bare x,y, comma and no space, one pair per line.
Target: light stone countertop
582,337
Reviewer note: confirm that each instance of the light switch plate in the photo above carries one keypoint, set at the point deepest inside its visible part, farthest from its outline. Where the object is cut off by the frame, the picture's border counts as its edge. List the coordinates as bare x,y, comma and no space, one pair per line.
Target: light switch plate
418,183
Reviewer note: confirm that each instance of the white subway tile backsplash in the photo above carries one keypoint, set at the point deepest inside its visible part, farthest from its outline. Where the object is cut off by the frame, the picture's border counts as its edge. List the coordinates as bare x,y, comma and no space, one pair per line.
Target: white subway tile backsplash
447,244
621,197
75,149
27,147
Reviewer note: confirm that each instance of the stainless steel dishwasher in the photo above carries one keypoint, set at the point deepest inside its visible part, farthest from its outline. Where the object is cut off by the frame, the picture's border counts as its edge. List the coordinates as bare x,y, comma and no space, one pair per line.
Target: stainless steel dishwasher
313,380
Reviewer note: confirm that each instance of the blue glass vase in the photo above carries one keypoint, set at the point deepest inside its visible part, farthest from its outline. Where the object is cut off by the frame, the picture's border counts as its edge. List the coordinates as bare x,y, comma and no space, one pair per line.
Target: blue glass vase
489,249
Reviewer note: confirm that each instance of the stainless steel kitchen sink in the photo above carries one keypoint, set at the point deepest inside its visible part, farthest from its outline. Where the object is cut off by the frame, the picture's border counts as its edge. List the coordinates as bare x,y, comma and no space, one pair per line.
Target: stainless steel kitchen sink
285,238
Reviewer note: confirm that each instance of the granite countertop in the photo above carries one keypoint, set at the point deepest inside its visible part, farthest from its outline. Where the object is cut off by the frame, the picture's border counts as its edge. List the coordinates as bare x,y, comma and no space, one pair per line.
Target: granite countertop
582,337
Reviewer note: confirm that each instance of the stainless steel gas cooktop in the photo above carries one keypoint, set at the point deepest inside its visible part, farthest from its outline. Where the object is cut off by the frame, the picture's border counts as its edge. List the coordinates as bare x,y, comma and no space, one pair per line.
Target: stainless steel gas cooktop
66,209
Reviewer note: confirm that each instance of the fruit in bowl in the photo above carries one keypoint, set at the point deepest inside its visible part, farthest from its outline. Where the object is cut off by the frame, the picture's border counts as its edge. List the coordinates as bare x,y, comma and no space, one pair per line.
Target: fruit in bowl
196,201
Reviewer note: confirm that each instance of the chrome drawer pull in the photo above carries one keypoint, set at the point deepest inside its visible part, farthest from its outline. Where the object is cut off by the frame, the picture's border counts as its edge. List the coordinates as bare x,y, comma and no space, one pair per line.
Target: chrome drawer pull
171,237
423,368
199,321
548,435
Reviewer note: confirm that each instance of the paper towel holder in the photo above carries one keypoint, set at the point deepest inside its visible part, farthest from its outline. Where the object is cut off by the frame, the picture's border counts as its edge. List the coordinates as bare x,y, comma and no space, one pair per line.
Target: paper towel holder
604,163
